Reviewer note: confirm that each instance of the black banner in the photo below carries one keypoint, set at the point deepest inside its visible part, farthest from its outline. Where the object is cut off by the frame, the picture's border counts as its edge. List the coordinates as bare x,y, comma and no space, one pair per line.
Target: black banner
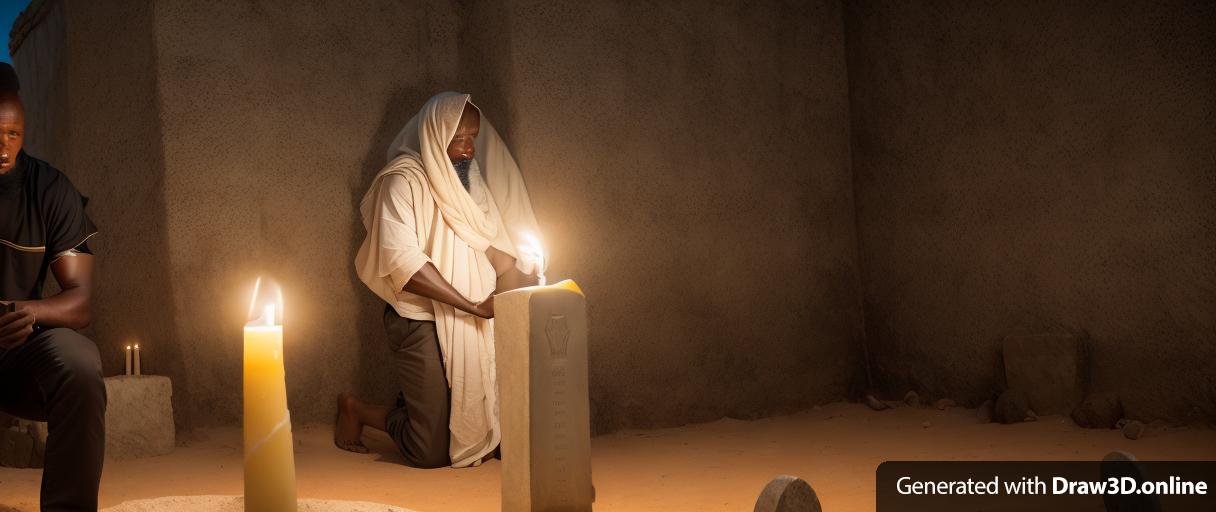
1110,486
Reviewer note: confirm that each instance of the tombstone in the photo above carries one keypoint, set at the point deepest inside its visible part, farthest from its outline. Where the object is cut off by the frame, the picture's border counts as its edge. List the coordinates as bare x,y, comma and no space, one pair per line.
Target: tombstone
1049,368
787,494
540,341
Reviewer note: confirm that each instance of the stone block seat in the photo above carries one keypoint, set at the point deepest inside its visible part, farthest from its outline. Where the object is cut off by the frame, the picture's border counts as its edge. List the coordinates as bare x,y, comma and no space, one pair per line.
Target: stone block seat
139,423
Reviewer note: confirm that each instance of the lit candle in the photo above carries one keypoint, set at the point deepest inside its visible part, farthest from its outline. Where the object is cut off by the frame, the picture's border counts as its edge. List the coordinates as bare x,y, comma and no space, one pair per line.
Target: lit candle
127,371
270,474
534,249
137,359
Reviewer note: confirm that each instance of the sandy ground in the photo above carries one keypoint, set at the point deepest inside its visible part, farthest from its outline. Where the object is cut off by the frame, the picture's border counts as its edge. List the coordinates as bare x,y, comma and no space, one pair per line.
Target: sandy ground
718,466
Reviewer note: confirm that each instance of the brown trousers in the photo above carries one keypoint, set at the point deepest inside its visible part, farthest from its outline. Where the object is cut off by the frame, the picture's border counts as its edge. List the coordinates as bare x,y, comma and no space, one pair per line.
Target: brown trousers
419,422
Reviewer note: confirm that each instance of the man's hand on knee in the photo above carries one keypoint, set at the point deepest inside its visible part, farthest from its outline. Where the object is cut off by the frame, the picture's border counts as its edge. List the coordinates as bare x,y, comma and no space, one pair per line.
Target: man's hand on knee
15,326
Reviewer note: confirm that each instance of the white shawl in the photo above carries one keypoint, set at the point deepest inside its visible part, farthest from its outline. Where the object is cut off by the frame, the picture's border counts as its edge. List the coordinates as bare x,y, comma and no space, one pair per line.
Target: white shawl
454,240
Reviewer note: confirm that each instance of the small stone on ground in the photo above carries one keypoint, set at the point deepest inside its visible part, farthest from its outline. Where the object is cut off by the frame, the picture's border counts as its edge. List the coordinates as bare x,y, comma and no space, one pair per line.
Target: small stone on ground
875,403
1011,407
1133,430
1098,410
984,413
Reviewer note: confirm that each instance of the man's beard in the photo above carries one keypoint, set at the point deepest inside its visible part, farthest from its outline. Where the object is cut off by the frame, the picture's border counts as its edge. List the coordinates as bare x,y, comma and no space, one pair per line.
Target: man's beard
462,171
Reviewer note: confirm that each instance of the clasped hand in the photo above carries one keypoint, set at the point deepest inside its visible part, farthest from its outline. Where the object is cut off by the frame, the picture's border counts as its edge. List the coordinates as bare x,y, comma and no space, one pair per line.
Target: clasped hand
15,326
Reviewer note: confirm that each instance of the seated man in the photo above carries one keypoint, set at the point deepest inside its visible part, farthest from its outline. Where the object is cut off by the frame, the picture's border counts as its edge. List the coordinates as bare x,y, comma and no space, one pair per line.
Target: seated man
48,372
442,238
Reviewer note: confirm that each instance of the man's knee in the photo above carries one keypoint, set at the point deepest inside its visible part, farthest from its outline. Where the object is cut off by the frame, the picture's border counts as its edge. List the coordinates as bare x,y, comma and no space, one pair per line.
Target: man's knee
78,367
431,459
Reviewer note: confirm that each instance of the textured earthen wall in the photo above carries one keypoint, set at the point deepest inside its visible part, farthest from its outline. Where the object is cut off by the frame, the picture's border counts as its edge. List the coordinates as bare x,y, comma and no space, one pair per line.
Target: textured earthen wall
688,164
1025,168
275,118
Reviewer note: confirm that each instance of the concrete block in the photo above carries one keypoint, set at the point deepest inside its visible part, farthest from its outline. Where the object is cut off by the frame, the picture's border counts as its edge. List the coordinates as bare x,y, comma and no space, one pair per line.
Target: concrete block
1049,369
540,340
139,416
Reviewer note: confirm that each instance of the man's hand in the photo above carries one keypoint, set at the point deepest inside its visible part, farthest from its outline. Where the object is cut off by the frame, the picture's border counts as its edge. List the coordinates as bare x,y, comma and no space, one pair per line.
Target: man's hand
15,326
485,309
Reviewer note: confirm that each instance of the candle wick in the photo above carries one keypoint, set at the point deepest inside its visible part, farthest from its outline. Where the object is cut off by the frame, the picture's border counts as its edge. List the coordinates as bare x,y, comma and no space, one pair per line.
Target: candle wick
267,315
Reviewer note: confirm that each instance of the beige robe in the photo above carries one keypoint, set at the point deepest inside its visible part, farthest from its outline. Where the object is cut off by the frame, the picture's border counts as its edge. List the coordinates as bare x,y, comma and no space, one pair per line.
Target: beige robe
417,211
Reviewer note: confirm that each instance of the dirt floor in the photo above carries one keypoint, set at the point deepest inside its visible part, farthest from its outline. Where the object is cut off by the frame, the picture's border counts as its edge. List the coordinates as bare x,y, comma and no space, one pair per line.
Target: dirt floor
718,466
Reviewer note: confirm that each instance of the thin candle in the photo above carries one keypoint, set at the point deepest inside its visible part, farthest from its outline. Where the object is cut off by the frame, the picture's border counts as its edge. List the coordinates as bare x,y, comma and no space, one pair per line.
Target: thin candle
137,372
127,358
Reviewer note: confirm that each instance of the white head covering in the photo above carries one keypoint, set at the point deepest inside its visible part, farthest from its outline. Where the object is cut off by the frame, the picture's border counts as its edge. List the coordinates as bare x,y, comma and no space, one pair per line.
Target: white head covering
501,174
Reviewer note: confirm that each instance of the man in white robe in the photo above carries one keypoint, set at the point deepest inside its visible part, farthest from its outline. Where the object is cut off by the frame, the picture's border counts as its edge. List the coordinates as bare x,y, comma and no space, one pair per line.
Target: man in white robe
449,224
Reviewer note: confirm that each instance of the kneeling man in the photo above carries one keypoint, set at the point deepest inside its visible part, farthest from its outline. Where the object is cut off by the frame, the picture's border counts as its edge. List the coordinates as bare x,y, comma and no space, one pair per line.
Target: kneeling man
444,220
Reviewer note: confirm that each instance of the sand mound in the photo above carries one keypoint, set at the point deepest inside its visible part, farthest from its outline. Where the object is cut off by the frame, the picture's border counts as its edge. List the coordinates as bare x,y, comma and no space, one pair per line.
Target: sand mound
213,503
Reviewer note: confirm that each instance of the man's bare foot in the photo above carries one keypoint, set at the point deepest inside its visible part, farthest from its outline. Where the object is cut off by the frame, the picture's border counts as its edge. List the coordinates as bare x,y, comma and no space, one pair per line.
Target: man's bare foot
348,430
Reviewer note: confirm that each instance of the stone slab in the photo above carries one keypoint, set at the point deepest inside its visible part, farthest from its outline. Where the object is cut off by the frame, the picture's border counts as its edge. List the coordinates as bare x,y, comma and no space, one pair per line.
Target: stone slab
1048,368
214,503
540,339
139,416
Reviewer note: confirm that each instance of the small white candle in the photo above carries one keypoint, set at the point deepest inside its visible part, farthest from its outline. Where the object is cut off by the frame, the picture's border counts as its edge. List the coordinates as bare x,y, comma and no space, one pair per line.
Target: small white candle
137,359
128,359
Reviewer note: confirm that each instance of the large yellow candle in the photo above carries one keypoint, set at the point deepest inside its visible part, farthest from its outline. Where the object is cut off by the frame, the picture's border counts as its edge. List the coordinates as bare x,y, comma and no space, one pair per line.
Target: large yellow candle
270,471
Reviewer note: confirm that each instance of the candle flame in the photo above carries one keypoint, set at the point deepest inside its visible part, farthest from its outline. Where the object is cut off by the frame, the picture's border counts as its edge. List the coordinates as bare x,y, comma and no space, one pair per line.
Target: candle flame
266,304
533,248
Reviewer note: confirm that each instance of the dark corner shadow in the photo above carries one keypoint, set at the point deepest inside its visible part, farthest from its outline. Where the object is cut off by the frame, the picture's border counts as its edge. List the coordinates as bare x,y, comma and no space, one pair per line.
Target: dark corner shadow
375,380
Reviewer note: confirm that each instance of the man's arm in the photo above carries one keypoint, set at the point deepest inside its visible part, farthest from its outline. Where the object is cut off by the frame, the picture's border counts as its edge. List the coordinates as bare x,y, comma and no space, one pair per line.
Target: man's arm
429,283
70,308
509,277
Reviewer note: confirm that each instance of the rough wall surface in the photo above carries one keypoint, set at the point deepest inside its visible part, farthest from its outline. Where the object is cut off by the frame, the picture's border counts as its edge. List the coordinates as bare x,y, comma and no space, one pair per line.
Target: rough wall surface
1031,169
665,148
689,165
275,118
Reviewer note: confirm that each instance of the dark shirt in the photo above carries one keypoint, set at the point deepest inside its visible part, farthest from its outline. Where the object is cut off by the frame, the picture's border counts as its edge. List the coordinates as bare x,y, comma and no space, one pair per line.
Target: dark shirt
41,216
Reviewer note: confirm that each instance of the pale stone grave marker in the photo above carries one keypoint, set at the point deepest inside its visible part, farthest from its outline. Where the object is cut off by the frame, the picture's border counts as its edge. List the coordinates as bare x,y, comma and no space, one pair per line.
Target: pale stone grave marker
540,340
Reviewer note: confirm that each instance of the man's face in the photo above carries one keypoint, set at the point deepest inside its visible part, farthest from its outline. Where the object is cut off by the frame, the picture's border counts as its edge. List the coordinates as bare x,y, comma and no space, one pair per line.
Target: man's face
12,130
461,147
